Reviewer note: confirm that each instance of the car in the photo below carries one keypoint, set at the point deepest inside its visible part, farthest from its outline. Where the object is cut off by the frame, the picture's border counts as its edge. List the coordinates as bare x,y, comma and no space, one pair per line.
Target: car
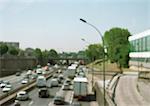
16,103
54,82
66,87
1,81
22,95
25,81
76,104
44,92
2,85
60,78
55,76
18,74
6,82
68,81
7,88
59,100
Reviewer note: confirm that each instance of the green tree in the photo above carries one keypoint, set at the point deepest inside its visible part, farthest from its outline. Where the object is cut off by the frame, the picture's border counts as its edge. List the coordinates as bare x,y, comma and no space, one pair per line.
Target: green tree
38,55
45,55
53,53
13,51
116,40
3,49
94,51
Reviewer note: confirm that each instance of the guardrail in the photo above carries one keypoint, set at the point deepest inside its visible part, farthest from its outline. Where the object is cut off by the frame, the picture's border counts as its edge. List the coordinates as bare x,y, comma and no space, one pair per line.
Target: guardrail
144,75
12,94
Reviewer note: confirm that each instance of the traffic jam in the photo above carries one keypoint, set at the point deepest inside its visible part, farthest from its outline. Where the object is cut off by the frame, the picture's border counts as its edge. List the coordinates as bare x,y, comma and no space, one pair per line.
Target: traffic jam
71,81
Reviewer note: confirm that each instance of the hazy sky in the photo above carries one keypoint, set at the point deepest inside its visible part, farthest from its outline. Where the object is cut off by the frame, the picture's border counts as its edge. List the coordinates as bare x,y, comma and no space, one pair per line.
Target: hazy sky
55,24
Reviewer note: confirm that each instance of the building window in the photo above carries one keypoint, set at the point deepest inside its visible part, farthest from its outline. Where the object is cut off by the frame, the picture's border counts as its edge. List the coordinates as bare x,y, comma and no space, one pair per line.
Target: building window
148,43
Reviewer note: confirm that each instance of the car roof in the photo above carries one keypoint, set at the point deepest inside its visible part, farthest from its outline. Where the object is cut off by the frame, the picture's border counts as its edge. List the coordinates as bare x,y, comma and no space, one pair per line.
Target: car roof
22,92
80,79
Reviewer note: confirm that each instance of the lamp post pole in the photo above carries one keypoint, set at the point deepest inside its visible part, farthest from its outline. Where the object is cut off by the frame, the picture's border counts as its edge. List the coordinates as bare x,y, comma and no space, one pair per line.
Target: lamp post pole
103,44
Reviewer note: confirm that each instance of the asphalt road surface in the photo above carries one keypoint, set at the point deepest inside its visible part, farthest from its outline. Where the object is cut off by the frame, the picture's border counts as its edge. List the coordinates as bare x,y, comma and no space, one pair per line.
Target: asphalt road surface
127,93
14,80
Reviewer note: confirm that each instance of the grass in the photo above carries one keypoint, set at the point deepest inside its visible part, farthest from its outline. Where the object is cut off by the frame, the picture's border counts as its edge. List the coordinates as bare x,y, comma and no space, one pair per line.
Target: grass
98,65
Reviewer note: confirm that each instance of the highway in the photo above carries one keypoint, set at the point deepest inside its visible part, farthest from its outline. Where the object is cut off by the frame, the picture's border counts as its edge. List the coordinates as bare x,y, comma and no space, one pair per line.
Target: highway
127,94
14,80
36,101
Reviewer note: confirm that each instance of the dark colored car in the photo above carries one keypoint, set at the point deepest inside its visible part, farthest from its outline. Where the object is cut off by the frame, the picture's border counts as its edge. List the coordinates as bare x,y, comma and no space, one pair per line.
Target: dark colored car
58,100
18,74
44,92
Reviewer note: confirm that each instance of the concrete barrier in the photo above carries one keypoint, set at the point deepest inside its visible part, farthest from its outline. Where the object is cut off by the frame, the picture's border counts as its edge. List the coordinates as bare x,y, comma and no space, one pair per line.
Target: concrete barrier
100,96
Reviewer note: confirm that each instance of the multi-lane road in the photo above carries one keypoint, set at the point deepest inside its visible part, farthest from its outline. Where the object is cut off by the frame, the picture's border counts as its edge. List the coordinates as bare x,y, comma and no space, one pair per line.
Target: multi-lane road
14,80
127,92
36,101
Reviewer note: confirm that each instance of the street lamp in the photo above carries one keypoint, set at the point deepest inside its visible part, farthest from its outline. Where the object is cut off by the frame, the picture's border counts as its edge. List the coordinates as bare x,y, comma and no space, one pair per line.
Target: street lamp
103,44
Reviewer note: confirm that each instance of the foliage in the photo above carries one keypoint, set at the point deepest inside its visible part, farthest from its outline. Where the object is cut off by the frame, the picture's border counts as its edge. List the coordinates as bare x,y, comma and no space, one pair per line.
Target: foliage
13,51
116,41
95,51
53,54
3,48
38,55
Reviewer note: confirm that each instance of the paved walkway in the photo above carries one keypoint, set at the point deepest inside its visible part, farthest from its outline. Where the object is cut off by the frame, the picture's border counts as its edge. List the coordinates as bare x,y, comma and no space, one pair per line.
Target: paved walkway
144,89
93,103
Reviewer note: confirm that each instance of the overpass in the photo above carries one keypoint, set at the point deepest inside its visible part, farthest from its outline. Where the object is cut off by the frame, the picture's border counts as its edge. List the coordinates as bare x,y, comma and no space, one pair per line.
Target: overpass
67,59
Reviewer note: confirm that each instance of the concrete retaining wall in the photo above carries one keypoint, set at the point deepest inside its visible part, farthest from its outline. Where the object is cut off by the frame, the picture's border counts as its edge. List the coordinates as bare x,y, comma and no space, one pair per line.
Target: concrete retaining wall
11,65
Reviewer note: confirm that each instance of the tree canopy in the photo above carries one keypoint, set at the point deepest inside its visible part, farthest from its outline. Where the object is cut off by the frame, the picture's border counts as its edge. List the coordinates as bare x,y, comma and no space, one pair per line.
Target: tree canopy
13,51
94,51
116,41
3,49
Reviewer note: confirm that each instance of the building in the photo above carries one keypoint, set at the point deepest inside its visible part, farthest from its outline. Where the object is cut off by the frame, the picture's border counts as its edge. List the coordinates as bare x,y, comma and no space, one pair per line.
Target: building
12,44
140,50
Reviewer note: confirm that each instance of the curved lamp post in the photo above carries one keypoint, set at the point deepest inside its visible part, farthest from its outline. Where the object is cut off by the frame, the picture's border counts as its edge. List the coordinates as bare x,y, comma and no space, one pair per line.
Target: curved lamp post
103,44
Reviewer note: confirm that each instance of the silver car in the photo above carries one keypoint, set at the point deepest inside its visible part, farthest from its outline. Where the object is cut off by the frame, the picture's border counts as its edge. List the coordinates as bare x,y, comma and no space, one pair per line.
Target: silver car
22,95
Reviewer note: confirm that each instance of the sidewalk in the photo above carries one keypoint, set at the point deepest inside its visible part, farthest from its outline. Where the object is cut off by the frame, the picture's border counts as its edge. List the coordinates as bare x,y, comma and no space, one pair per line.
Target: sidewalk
143,87
93,103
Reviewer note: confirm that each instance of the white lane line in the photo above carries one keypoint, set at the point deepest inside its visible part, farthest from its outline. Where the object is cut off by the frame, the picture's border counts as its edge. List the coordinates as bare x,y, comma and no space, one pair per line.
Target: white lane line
30,103
50,103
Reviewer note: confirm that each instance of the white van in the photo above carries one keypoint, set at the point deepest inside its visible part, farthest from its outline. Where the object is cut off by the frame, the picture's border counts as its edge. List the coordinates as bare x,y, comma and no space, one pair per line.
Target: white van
41,81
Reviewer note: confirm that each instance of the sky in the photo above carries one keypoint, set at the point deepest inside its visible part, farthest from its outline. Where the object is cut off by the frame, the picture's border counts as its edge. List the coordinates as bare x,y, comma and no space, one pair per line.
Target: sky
55,24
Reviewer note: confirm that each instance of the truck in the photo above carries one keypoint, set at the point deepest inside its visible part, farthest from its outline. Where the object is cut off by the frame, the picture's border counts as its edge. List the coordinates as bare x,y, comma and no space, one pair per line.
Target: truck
80,87
41,81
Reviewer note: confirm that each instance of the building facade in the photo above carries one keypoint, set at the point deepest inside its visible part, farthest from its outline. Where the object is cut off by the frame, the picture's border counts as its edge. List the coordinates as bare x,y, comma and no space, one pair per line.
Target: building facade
12,44
140,49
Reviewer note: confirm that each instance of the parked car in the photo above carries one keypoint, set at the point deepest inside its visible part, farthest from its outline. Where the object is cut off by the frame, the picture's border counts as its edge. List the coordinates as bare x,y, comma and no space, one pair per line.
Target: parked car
22,95
59,100
44,92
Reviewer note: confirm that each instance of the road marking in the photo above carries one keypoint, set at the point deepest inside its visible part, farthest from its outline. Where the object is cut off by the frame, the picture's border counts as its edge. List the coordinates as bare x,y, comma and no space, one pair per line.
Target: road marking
50,104
30,103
